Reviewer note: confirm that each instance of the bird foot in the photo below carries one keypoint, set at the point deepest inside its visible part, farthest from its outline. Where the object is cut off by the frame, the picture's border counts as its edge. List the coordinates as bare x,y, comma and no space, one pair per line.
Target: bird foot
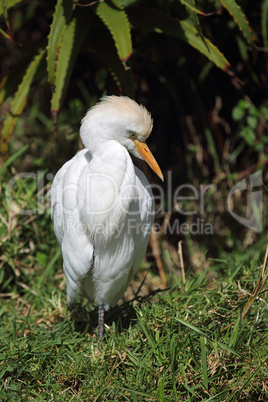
101,322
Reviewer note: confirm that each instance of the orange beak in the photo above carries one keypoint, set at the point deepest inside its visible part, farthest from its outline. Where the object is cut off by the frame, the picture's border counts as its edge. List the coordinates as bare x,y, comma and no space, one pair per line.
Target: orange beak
144,151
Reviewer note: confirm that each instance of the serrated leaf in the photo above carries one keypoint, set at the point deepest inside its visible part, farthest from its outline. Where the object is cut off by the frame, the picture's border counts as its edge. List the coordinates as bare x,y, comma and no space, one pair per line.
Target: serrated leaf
6,4
10,83
191,7
61,17
117,22
193,17
72,40
157,22
20,100
235,11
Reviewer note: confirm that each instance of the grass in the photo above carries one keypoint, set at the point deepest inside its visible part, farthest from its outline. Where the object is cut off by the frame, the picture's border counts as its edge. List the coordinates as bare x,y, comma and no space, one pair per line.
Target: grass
185,343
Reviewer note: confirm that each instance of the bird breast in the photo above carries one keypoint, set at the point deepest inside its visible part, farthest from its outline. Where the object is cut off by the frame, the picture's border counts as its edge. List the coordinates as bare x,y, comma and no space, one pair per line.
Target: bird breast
107,188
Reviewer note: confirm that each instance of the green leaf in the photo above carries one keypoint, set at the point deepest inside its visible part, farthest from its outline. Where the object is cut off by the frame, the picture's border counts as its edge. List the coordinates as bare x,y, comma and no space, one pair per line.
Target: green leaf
61,17
117,22
193,17
73,37
253,111
157,22
20,100
9,84
237,113
235,11
6,4
190,6
243,104
126,3
264,112
248,135
252,122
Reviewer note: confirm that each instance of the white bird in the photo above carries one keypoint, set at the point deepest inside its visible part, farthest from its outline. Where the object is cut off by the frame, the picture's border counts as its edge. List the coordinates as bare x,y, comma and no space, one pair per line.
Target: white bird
102,204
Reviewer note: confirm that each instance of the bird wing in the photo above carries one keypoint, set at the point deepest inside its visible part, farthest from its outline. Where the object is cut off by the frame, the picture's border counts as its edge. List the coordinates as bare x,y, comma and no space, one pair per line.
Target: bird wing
77,251
145,220
57,192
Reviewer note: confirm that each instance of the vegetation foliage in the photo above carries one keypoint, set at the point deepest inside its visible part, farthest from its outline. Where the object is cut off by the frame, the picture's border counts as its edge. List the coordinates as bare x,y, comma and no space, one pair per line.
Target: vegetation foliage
73,25
201,69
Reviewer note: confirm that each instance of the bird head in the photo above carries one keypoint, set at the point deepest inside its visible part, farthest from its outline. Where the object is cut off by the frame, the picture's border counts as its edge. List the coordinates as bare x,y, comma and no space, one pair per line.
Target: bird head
121,119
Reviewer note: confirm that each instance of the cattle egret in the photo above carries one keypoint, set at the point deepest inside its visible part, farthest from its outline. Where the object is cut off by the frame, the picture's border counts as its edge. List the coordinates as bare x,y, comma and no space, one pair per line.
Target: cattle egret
102,204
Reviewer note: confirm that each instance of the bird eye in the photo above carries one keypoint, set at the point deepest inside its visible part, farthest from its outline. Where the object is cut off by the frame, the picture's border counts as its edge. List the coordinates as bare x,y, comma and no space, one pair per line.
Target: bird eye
132,136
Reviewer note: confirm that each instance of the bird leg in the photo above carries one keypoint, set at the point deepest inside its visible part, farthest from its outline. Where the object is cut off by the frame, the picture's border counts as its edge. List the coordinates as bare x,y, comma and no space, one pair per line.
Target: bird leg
101,322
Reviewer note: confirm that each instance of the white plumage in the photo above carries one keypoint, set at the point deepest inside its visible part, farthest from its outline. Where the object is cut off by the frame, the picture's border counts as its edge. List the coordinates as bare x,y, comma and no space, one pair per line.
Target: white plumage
102,205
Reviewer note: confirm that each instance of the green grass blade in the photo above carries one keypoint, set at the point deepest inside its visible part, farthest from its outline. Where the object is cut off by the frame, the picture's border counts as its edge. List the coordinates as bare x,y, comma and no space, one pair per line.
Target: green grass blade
216,397
146,333
220,344
11,159
190,390
235,11
49,267
235,332
239,391
204,361
157,22
234,274
161,389
61,17
20,100
212,148
116,20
